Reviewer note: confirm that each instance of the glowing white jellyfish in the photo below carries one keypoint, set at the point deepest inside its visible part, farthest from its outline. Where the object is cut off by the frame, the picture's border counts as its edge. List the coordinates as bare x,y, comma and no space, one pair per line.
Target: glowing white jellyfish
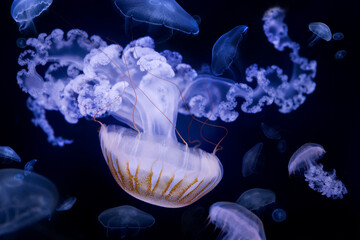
236,221
256,198
304,161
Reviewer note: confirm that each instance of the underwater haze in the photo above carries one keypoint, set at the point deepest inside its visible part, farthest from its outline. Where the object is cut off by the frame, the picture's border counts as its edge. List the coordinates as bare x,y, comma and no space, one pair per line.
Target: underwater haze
124,109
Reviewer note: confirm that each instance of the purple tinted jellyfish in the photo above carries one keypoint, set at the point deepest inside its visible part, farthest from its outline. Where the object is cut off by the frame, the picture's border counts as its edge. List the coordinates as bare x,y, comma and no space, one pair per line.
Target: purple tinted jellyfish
139,87
24,11
24,199
8,155
236,221
225,49
270,132
158,12
250,161
305,160
307,155
127,221
320,31
256,198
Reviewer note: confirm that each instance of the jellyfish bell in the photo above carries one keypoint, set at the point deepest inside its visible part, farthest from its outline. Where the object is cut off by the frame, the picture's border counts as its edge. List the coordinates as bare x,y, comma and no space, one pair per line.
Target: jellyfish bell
225,50
127,220
320,31
24,199
305,157
24,11
159,171
157,13
236,221
256,198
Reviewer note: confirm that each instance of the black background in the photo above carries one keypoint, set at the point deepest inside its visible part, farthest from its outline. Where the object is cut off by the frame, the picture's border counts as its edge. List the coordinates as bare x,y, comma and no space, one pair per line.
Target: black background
328,117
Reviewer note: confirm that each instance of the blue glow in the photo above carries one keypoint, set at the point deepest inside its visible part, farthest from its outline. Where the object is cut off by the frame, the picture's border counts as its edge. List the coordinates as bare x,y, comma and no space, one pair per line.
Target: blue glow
225,49
340,54
278,215
127,221
24,11
159,12
7,155
24,200
256,198
338,36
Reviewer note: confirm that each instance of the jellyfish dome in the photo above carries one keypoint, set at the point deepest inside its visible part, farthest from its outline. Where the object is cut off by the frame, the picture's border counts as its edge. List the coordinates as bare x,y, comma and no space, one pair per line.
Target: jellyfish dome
159,12
236,221
127,219
24,11
24,199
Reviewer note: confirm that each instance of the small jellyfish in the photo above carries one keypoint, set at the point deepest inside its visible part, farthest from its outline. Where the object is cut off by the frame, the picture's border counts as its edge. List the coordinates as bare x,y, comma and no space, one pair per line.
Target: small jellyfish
340,54
250,160
125,220
24,200
270,132
307,155
8,155
320,31
281,145
225,49
21,42
256,198
278,215
67,204
24,11
338,36
305,160
29,167
236,221
159,12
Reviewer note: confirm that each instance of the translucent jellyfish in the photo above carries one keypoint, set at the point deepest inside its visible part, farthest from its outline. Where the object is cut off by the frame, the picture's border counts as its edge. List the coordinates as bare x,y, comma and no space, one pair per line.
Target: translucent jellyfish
159,12
137,86
307,155
270,132
29,167
320,31
305,160
125,220
338,36
84,77
24,11
250,161
67,204
8,155
340,54
282,146
24,200
236,221
225,49
21,42
256,198
278,215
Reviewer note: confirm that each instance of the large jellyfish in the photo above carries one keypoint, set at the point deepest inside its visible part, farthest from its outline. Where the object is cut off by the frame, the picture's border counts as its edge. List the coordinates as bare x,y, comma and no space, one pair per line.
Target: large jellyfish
24,199
236,221
305,159
24,11
158,12
81,76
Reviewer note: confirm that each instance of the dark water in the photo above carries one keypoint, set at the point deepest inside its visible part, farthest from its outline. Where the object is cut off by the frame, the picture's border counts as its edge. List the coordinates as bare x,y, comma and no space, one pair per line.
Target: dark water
328,117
